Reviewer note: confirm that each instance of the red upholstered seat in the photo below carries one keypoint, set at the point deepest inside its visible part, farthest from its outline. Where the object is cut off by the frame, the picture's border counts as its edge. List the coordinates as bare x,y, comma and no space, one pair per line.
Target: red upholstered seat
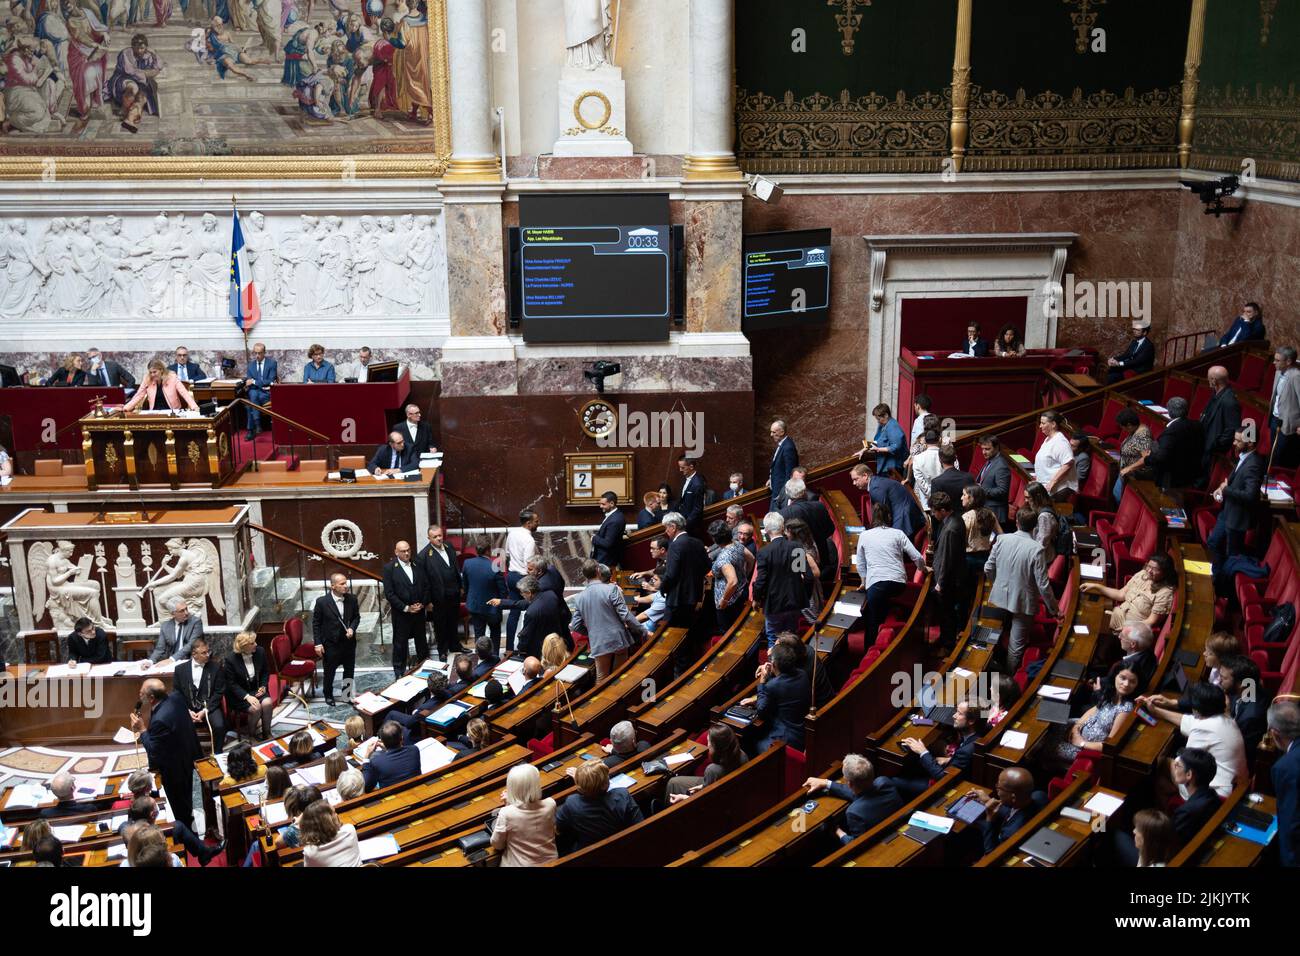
282,661
294,629
1094,493
796,769
543,746
1119,525
1130,557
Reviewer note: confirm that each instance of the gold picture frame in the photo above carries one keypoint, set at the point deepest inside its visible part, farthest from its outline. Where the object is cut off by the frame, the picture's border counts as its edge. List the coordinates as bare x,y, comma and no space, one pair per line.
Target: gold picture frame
387,166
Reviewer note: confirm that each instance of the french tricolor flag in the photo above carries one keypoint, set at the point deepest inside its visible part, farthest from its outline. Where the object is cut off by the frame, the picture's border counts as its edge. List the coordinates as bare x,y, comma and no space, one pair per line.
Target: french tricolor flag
244,308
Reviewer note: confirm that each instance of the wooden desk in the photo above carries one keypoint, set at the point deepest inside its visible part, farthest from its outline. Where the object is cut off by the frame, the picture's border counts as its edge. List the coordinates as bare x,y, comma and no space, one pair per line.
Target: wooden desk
596,711
347,412
686,701
109,794
135,450
885,845
1075,795
783,835
68,710
1214,846
527,715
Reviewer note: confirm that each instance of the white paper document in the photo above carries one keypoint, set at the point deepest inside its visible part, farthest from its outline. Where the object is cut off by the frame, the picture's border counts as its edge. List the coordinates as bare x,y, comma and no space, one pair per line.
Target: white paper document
275,813
1052,692
69,833
674,759
571,673
1092,572
434,755
1103,803
371,703
378,847
406,688
1015,739
517,681
621,781
928,821
852,610
309,776
27,795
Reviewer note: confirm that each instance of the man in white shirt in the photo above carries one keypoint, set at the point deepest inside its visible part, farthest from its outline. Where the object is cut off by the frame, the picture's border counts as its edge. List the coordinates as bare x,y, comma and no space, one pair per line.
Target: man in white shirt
418,435
1054,464
520,547
361,370
926,467
920,408
1284,409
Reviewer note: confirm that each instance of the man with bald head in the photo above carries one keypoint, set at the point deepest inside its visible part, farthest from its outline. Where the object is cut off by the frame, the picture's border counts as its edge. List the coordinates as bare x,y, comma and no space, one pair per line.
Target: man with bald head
394,457
406,587
64,787
1220,420
164,728
1009,807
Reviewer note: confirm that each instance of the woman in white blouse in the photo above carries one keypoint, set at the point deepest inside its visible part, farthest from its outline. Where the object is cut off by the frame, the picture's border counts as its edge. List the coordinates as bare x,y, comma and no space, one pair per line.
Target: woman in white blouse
327,841
524,831
1054,463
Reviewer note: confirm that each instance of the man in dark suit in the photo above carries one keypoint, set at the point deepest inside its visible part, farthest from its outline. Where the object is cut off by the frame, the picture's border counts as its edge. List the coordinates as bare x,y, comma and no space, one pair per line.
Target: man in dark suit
623,745
1284,730
950,588
690,504
607,542
1248,699
1008,807
392,762
487,657
392,458
200,682
483,583
186,370
105,372
1139,357
88,644
335,618
968,724
995,477
819,521
442,572
1176,456
261,374
781,581
64,788
405,588
548,575
975,345
682,584
1247,327
904,513
870,798
1239,493
418,434
952,481
784,696
547,614
784,458
167,734
1220,419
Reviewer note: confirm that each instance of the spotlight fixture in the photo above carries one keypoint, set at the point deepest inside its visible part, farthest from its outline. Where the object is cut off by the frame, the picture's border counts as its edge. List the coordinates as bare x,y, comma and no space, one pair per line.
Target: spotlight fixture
765,190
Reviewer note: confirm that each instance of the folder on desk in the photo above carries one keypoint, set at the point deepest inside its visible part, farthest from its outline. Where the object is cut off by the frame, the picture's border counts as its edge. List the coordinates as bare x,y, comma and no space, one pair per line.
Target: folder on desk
1070,670
447,714
1053,711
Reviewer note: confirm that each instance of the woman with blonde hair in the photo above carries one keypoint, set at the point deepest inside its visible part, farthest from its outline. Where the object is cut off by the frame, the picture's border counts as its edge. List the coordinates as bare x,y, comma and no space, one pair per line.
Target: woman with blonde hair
554,655
72,372
161,389
317,369
524,830
247,683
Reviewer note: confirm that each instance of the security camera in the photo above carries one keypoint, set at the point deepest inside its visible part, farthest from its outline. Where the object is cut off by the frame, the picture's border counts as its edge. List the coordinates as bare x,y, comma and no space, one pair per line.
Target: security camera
764,190
1212,192
599,371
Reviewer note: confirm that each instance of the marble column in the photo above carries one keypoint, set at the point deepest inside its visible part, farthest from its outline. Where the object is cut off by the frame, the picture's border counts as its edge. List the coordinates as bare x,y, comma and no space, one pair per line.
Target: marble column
473,157
713,61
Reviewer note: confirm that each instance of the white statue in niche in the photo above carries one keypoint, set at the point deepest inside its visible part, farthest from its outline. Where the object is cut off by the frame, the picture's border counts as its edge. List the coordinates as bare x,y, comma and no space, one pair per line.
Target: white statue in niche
25,273
61,587
588,33
192,572
209,268
334,259
365,266
394,282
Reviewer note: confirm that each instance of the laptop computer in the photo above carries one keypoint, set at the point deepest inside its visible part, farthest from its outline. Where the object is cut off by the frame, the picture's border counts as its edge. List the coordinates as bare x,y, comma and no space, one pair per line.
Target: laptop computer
1048,845
920,834
1070,670
1054,711
933,710
842,621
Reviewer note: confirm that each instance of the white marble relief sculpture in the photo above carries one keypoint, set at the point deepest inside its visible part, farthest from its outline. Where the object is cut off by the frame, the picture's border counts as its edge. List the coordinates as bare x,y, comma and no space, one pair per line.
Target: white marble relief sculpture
63,587
191,571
